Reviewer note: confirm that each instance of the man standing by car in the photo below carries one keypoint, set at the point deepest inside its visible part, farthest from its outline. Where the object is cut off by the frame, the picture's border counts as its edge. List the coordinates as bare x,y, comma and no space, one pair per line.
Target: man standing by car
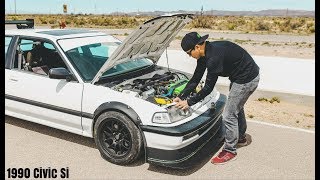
227,59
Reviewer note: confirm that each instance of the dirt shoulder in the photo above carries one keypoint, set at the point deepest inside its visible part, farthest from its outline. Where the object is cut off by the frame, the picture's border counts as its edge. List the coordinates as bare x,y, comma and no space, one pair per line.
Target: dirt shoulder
292,110
283,45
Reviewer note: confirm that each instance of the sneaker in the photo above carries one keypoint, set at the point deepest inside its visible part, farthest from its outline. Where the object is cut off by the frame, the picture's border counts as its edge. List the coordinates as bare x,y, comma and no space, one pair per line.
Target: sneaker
223,157
242,142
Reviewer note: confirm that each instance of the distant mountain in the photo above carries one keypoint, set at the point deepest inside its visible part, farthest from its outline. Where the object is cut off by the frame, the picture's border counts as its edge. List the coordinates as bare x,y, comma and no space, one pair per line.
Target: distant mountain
269,12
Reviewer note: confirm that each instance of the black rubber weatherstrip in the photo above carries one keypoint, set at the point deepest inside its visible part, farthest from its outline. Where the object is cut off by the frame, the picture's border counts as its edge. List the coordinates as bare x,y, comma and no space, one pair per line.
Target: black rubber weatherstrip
48,106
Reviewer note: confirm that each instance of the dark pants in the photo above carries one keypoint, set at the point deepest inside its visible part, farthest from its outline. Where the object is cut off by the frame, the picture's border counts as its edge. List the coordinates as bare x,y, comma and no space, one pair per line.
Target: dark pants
233,115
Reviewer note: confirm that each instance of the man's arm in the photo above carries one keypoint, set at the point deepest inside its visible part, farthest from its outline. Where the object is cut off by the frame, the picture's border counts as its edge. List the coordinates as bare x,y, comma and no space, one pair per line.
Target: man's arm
194,81
211,80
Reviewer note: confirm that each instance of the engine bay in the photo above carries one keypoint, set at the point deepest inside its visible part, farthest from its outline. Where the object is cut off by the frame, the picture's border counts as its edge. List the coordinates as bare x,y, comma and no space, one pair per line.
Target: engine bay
159,87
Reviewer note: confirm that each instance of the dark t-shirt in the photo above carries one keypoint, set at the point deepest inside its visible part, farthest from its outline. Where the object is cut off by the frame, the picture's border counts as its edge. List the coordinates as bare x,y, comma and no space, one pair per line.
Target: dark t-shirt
222,58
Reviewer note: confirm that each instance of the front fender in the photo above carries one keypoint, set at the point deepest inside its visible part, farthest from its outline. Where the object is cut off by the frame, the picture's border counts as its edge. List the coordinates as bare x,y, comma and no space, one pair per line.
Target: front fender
117,106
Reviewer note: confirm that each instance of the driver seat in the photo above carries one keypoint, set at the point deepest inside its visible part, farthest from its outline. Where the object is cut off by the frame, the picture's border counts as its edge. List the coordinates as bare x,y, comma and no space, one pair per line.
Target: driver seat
34,57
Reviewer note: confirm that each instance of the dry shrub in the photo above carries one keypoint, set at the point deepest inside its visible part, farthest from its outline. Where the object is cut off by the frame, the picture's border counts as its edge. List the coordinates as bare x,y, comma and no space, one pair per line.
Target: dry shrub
201,22
295,25
52,21
262,26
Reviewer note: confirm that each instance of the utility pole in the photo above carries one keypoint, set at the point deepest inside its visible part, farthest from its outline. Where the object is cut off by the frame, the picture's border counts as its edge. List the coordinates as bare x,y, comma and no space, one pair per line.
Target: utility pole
15,7
201,13
287,12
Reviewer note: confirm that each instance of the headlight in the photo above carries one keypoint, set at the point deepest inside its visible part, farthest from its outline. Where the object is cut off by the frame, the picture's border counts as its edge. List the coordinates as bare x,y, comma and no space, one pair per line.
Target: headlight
177,114
161,118
173,115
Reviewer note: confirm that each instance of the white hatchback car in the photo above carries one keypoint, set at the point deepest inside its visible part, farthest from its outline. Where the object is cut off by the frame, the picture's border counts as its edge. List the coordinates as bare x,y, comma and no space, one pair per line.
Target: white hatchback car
90,83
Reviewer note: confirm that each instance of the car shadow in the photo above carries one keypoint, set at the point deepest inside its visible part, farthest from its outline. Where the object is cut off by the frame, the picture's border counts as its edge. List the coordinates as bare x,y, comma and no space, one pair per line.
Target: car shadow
206,157
249,140
139,162
71,137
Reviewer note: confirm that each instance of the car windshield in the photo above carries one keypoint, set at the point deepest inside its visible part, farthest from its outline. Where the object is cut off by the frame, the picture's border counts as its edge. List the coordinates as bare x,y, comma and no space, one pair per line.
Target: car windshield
89,58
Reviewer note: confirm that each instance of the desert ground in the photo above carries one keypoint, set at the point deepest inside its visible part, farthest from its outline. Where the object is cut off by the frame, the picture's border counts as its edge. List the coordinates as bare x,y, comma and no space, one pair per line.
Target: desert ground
284,45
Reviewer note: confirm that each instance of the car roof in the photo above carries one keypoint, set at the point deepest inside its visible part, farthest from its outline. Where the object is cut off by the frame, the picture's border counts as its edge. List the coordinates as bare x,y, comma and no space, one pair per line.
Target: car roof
54,34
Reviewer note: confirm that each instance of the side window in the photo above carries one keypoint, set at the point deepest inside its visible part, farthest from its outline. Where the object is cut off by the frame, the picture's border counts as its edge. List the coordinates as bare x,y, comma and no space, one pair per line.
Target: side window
37,56
7,43
48,46
26,45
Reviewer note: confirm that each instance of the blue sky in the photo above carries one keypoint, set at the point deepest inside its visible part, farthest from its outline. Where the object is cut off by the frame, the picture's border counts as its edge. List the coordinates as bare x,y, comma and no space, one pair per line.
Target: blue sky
108,6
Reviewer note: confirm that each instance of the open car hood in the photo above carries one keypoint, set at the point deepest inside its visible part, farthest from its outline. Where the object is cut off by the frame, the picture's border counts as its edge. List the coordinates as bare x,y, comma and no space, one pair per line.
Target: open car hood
148,41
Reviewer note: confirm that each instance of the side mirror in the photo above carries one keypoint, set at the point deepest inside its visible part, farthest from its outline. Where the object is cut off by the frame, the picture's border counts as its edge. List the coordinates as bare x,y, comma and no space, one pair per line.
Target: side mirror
60,73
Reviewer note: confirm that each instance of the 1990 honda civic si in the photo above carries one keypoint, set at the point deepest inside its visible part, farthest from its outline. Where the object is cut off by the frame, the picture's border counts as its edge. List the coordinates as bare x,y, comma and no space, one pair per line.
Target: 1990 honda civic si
92,84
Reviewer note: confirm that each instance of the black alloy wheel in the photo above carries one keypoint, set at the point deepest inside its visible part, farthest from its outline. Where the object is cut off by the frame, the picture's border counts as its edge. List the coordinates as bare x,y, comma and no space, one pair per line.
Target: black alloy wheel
117,138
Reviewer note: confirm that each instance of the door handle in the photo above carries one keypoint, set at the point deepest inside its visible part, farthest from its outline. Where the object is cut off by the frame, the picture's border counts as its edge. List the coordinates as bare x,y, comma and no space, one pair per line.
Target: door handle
13,78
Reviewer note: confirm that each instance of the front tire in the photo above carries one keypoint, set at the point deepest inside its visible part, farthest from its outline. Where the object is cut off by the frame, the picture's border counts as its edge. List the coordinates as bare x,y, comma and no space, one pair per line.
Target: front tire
118,139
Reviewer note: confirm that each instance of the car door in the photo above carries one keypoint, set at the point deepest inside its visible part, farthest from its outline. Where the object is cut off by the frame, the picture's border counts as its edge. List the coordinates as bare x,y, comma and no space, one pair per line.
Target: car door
35,97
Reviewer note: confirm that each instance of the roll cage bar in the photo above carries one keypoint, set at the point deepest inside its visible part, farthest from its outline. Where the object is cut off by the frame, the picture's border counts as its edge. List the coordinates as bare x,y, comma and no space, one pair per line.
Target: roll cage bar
22,24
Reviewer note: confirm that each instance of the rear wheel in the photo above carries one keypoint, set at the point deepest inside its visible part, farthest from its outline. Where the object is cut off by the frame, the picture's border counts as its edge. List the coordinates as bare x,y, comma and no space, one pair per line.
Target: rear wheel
117,138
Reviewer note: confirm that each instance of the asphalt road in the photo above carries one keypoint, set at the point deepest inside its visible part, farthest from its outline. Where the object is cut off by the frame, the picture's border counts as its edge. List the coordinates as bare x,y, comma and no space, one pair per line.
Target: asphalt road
274,153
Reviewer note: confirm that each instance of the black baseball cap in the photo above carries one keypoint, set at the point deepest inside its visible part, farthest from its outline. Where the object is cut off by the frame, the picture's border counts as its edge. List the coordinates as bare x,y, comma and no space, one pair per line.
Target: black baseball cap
191,39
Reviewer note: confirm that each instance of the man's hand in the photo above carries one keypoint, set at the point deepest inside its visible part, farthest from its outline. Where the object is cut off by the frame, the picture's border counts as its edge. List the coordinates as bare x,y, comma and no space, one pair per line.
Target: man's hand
181,104
177,99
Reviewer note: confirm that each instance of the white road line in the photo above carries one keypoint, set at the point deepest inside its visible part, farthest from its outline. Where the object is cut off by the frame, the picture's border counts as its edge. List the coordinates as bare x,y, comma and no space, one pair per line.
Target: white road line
282,126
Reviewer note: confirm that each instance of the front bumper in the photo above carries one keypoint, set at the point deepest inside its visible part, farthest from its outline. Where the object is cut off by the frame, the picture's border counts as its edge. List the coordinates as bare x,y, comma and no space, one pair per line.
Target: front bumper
203,133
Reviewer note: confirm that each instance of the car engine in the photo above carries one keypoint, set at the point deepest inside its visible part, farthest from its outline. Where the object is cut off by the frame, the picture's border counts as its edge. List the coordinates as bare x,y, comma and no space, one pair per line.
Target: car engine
159,87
